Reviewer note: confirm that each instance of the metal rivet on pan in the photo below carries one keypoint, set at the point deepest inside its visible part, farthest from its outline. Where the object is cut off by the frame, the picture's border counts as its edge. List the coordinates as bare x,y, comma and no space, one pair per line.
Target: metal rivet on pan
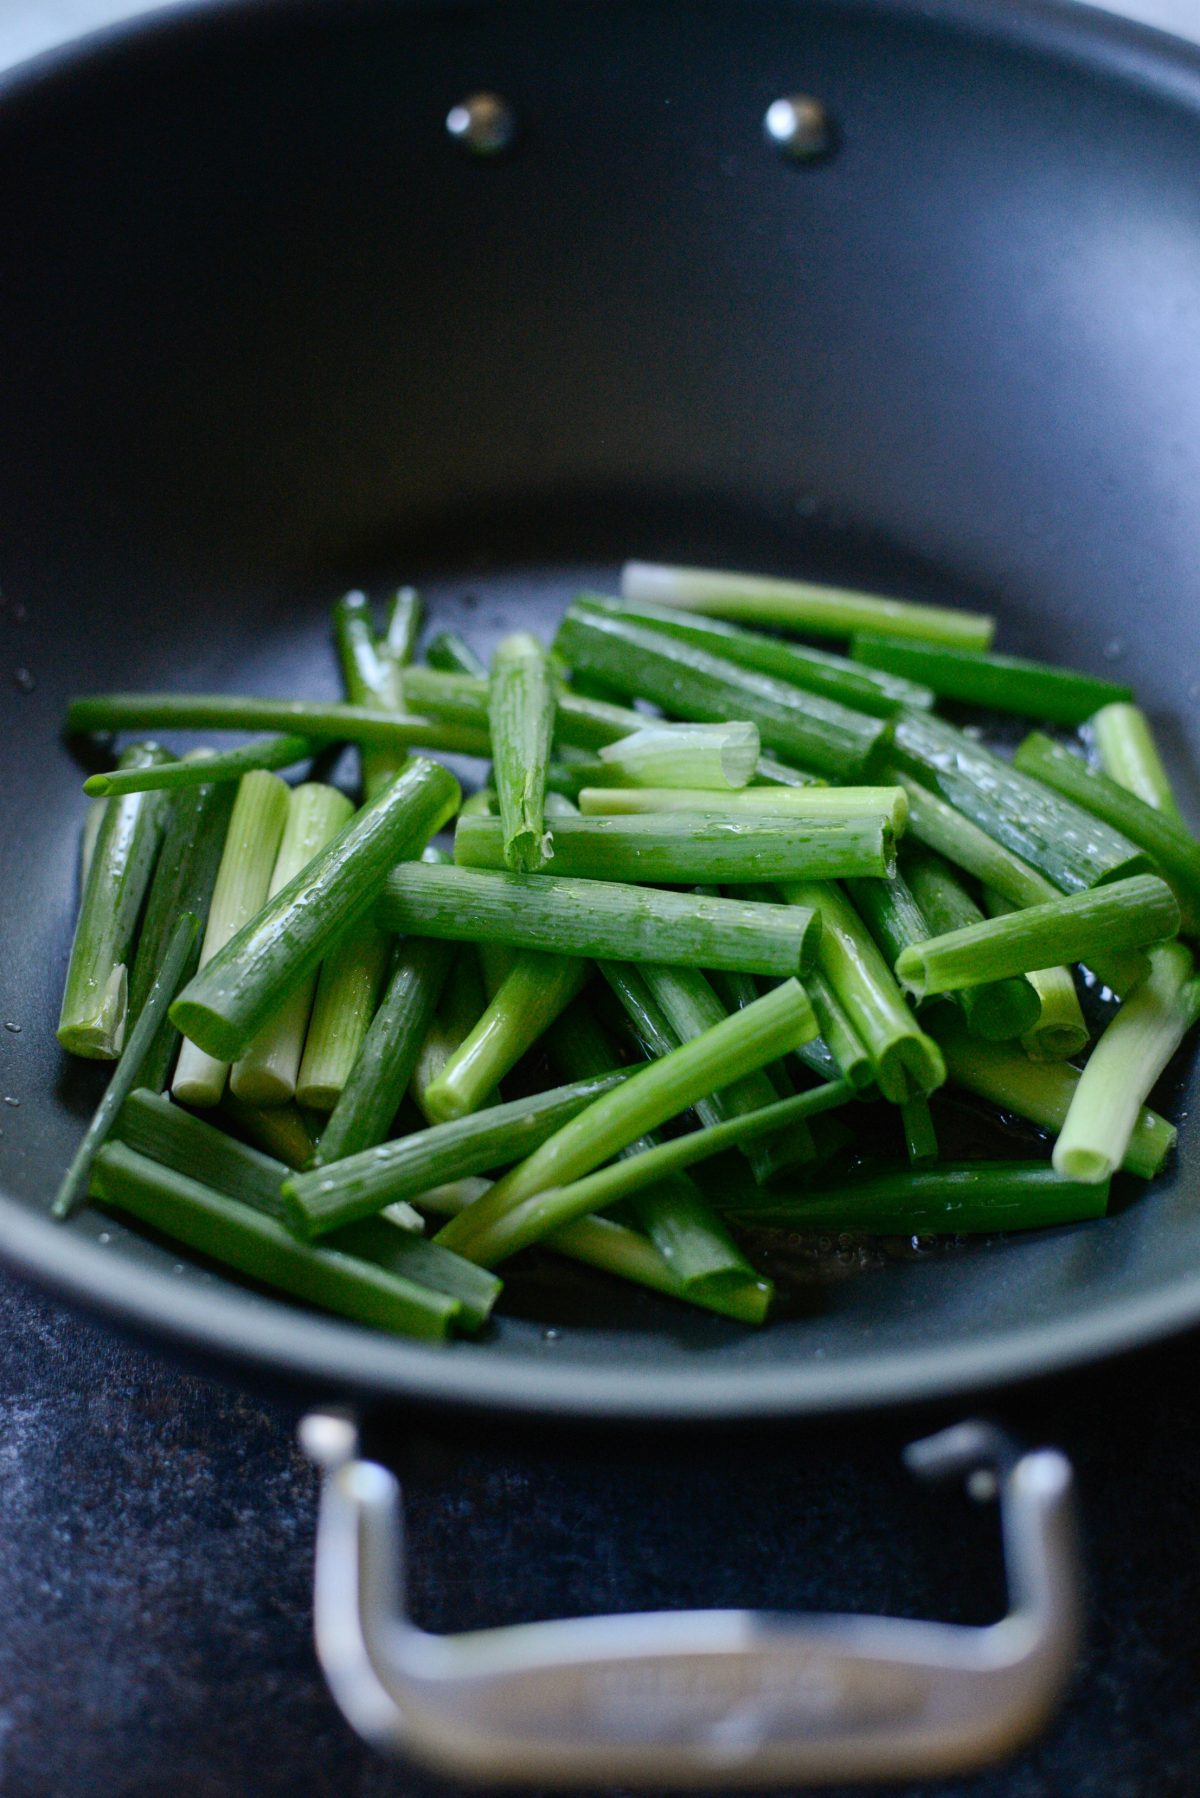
483,124
799,127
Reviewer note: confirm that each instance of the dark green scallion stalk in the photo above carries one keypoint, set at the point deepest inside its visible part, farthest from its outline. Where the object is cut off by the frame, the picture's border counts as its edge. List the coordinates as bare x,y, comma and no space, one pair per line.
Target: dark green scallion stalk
92,1021
521,704
1124,1065
837,1052
644,1018
690,1006
452,654
537,988
823,804
613,1248
1125,914
266,1073
682,756
1040,1091
906,1061
462,700
459,1010
939,826
1070,847
697,848
248,854
141,1037
955,1198
1061,1030
234,993
1002,683
278,1130
204,768
601,919
920,1134
806,606
253,1243
1175,852
379,1079
1129,755
739,989
184,877
805,727
815,670
364,1184
746,1040
997,1009
323,723
173,1138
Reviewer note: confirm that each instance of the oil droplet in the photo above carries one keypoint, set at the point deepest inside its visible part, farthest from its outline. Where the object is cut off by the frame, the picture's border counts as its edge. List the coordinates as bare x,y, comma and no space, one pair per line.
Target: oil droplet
551,1335
178,1268
104,1237
24,680
9,1025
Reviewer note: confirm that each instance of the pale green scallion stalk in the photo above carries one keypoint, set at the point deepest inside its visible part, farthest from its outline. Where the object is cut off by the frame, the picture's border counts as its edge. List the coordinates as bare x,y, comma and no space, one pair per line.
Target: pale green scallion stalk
535,991
837,803
251,844
717,756
1129,755
1124,1065
460,1008
266,1073
96,993
1061,1030
93,818
521,708
348,988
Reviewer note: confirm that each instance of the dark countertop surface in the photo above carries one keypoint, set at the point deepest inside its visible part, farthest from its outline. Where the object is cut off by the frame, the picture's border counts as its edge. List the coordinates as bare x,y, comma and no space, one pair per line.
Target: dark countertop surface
158,1532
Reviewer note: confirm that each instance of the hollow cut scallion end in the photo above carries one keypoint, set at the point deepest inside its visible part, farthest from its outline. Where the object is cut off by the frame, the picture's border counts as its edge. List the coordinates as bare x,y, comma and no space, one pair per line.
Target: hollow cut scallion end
718,756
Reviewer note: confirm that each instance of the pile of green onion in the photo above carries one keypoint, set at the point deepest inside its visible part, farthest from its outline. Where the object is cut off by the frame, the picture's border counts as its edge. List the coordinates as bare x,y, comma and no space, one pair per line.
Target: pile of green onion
728,918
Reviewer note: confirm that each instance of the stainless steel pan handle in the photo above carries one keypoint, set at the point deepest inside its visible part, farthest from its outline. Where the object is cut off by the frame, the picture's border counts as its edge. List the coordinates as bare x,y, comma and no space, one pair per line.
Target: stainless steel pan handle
685,1698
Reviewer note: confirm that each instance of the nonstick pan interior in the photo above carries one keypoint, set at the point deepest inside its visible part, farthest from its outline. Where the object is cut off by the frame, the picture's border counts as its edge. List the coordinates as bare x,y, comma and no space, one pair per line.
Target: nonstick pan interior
270,333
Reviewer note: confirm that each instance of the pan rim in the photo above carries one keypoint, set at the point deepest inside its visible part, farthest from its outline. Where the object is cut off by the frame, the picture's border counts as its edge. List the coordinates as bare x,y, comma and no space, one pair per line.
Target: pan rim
326,1355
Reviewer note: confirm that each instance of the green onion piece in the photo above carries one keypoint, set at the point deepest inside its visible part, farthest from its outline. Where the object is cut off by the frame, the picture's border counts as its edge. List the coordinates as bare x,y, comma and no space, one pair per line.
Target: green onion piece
363,1184
536,990
774,773
721,756
233,994
1061,840
1124,1065
997,1009
323,723
278,1130
1125,914
747,1040
496,962
601,919
1002,683
185,875
459,1010
1175,852
958,1198
920,1135
1061,1030
379,1079
800,605
613,1248
255,1244
697,848
266,1073
92,1021
173,1138
825,804
905,1060
251,843
402,627
462,699
174,961
1040,1091
348,988
1129,755
371,678
738,989
203,769
690,1006
939,826
850,1058
817,732
813,669
451,653
92,820
521,704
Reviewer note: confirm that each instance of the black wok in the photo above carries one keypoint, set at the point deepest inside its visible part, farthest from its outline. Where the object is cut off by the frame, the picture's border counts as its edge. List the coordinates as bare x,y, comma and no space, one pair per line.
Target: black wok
269,331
